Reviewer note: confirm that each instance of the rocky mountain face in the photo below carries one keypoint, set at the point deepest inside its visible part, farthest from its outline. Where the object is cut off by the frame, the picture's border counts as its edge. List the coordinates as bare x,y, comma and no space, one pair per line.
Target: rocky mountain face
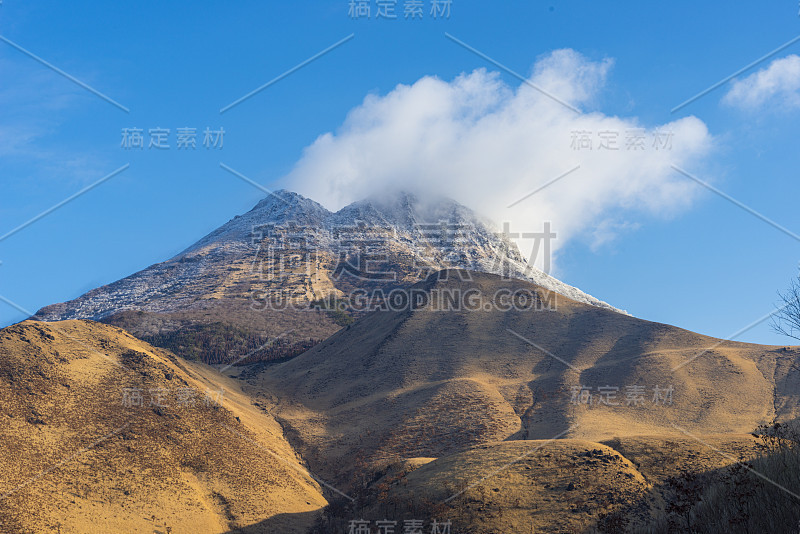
256,276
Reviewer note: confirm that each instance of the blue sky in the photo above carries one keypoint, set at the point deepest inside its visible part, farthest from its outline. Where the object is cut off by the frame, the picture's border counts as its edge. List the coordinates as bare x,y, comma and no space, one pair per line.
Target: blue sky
695,260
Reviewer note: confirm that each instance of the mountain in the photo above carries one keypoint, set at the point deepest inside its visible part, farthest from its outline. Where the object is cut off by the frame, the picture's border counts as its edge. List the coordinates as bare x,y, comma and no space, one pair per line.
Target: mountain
250,283
463,408
427,383
537,417
102,432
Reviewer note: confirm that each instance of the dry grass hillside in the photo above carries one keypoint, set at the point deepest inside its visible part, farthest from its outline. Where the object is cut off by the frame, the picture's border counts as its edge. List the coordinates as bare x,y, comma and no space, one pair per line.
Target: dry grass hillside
428,383
83,453
562,486
556,416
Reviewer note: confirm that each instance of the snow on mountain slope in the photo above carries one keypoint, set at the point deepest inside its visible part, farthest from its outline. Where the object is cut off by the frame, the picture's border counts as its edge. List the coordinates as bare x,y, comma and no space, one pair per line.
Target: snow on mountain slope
221,264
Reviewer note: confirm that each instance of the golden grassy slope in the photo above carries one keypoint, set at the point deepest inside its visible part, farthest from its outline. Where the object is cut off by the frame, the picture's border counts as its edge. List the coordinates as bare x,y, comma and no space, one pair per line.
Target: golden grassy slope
427,383
75,459
433,401
553,485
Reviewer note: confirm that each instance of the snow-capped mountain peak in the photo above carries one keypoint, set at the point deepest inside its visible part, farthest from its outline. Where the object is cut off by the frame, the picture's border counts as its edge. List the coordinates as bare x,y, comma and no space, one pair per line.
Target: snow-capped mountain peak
220,264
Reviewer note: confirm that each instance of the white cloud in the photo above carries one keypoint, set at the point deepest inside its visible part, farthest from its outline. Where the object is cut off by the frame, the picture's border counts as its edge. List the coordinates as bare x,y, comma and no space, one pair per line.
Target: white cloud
778,85
487,144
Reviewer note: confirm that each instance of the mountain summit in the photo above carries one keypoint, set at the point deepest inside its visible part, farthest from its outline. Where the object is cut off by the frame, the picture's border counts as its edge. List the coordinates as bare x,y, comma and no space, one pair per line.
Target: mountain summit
289,247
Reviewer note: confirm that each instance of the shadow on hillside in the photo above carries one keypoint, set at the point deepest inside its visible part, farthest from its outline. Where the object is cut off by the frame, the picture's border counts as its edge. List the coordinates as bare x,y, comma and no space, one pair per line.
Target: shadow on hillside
295,522
735,498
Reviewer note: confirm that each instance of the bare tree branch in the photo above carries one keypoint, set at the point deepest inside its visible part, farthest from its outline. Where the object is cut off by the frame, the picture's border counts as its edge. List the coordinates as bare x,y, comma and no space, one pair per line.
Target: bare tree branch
786,320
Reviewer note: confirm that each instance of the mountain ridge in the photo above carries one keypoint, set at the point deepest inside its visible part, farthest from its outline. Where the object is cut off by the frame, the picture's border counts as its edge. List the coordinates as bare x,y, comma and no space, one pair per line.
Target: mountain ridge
170,285
427,383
